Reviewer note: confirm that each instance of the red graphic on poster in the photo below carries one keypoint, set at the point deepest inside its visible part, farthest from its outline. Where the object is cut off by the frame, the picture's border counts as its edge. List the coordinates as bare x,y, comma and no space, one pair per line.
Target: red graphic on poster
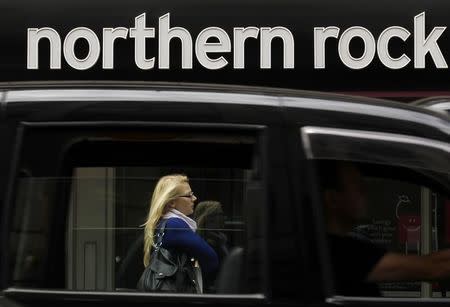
408,227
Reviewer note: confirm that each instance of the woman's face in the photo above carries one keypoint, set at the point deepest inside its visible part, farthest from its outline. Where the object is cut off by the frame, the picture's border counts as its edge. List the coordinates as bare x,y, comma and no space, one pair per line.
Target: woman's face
185,202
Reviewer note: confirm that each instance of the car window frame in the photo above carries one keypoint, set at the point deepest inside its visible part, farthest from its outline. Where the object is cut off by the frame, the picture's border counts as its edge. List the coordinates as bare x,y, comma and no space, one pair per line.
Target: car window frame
29,294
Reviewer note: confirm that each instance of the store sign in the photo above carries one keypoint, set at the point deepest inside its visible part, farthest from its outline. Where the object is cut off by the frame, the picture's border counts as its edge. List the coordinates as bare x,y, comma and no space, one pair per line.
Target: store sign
212,44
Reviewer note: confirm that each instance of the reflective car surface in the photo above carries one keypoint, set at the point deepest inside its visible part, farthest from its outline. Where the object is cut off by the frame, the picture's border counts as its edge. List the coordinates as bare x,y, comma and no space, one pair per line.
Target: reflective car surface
79,163
440,104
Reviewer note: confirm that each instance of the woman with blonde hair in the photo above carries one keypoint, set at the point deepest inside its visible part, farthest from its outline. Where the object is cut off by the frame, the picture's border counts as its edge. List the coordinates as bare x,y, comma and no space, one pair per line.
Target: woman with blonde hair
170,240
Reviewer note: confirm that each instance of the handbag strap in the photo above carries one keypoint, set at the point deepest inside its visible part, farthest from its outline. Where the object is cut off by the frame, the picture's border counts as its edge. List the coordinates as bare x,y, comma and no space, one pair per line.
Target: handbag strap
159,234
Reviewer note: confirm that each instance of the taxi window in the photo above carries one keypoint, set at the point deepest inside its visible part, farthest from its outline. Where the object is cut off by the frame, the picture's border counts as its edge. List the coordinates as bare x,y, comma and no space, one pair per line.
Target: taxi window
372,211
79,224
384,198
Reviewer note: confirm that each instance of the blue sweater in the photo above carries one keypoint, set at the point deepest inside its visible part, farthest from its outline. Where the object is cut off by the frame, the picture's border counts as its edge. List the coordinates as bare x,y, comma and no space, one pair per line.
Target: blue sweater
179,237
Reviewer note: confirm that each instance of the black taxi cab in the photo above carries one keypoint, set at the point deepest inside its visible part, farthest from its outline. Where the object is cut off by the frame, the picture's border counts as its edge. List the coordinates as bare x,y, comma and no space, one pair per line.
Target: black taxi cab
79,162
100,99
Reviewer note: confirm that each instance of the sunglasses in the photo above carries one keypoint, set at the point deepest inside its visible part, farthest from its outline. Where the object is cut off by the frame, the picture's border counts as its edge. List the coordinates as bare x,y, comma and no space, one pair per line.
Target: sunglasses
189,195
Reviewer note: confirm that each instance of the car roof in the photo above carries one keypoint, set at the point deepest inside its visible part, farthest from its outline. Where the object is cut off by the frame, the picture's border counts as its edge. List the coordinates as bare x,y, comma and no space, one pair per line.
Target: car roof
83,94
28,91
438,103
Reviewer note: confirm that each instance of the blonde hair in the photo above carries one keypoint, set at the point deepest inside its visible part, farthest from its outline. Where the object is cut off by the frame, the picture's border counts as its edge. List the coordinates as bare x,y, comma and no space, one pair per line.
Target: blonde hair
167,189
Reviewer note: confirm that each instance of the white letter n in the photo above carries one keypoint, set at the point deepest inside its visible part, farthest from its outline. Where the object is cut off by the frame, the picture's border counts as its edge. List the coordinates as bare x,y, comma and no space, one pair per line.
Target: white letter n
33,37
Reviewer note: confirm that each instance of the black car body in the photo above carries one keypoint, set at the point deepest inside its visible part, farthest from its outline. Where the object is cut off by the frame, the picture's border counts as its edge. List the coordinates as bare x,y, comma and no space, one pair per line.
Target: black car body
100,99
52,132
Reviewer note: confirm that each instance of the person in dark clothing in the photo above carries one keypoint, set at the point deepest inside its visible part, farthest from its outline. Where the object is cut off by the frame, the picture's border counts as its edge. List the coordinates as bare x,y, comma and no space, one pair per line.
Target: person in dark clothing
358,265
352,259
210,221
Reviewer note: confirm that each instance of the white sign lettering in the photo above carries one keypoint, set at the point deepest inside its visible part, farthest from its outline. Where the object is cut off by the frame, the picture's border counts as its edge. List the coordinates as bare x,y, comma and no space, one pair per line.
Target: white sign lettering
213,48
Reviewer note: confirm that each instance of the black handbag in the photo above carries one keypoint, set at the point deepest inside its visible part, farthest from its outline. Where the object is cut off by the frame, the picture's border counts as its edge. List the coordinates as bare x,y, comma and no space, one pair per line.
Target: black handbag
167,271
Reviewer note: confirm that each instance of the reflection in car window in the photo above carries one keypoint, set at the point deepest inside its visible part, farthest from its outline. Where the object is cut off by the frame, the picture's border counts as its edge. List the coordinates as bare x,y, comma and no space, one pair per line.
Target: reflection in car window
85,231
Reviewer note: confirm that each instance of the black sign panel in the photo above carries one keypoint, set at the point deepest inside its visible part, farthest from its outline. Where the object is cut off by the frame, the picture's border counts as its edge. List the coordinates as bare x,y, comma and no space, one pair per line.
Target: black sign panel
345,46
